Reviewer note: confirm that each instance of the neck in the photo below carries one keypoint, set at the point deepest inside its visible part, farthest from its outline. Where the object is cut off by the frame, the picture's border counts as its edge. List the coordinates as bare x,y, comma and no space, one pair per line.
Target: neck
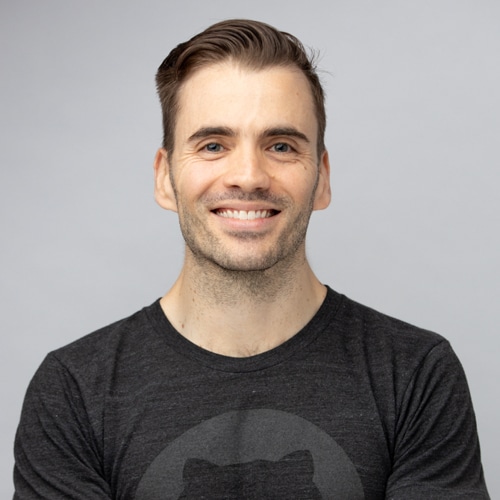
242,313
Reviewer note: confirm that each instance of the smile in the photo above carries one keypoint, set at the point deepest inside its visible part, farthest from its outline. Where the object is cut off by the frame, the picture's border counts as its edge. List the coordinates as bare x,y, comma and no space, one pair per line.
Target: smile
246,214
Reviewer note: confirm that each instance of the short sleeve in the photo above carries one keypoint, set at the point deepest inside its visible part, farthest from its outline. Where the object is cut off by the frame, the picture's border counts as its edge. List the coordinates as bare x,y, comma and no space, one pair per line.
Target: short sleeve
56,452
437,453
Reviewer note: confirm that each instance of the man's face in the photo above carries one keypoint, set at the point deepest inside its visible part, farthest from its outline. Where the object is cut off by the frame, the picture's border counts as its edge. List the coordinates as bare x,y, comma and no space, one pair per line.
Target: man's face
244,175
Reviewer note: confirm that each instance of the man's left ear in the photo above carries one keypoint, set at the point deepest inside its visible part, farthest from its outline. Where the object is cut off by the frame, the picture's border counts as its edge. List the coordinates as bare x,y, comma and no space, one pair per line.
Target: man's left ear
323,191
164,191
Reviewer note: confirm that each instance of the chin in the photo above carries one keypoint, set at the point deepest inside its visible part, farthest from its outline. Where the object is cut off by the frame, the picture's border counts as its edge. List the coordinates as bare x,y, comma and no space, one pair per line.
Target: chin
245,265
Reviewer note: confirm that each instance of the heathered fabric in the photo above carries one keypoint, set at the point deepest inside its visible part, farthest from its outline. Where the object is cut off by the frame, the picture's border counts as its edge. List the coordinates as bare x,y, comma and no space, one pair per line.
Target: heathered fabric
355,405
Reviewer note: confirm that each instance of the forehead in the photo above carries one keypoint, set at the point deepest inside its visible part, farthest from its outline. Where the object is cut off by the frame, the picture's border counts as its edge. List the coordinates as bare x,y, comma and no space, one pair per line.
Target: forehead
229,94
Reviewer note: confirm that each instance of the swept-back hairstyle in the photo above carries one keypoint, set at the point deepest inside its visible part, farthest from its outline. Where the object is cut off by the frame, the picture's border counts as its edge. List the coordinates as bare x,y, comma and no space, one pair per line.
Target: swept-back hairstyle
254,45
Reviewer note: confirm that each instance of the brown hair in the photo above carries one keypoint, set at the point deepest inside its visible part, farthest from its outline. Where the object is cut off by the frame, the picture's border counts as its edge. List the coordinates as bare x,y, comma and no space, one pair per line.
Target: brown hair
253,44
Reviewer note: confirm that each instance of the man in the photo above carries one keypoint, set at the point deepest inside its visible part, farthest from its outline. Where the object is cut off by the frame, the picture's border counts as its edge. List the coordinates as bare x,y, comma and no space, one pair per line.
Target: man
249,379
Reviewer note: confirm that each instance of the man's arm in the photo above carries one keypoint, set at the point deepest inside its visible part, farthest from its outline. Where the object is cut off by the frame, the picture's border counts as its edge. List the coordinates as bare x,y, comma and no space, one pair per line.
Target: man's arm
57,454
437,448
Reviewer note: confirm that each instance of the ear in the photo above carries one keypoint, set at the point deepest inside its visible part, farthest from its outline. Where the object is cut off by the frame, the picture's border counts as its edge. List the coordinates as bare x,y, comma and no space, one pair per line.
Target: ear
323,194
164,191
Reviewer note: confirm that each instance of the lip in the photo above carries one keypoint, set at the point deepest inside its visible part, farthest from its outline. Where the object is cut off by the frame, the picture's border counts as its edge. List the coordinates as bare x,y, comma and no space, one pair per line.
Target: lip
232,218
245,207
236,204
239,214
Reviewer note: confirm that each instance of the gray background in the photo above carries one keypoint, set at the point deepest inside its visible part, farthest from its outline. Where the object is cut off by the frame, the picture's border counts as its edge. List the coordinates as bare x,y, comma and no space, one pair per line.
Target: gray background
414,126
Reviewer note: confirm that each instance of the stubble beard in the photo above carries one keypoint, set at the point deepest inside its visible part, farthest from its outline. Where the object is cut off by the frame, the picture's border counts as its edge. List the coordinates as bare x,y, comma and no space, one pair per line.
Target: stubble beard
228,276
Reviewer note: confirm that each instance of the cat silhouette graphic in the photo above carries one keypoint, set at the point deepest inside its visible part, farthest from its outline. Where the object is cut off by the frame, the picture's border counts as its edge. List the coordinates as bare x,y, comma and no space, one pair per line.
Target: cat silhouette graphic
291,477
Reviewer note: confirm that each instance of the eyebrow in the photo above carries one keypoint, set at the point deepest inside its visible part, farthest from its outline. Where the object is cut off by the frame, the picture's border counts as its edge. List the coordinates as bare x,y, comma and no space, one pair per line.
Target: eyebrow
204,132
285,131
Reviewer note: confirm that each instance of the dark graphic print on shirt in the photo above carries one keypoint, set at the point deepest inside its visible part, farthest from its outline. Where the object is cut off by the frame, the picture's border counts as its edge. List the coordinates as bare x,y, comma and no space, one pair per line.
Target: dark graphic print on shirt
248,449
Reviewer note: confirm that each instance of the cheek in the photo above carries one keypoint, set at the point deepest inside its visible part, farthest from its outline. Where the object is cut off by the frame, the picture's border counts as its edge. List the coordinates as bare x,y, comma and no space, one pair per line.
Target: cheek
193,188
199,178
299,187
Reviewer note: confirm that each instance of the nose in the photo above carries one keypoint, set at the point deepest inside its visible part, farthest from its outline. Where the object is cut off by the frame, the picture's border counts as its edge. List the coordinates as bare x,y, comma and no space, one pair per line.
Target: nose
247,170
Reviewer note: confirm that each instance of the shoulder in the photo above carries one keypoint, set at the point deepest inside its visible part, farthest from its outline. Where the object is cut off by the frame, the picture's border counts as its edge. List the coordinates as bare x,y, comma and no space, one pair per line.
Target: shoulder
99,351
379,331
392,354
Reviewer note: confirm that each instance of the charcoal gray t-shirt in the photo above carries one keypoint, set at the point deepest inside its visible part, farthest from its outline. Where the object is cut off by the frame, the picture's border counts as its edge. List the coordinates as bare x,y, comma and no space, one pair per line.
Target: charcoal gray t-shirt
357,405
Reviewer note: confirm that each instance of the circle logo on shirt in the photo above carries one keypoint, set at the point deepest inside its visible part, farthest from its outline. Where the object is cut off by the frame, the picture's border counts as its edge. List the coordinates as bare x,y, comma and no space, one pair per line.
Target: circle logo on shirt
265,452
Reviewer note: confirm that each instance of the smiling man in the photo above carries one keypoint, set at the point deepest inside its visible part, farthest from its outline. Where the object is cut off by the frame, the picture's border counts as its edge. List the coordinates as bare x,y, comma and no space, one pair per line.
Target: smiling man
249,379
244,173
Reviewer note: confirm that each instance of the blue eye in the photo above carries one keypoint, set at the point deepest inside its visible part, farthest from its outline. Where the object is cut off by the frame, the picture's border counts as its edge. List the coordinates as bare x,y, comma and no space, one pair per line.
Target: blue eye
213,147
282,147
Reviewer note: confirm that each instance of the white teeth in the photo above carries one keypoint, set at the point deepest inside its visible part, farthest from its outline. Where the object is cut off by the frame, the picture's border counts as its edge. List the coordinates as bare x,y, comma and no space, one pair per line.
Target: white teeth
244,215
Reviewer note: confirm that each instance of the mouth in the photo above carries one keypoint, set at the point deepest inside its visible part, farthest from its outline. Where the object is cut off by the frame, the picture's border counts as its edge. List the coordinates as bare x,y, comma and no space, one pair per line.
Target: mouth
245,214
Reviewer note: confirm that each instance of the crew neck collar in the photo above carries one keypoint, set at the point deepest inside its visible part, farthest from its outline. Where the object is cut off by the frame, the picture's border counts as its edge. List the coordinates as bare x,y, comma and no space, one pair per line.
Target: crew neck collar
267,359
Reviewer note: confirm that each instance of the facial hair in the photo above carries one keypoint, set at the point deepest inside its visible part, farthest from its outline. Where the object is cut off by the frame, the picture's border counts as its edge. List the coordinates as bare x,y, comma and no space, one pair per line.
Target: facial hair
260,275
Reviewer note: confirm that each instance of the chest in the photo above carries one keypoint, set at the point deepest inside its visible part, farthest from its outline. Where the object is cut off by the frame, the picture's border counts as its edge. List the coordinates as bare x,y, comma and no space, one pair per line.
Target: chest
315,427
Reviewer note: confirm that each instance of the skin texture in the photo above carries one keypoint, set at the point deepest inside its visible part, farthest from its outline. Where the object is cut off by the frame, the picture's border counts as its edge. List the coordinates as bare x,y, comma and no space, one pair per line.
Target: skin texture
244,177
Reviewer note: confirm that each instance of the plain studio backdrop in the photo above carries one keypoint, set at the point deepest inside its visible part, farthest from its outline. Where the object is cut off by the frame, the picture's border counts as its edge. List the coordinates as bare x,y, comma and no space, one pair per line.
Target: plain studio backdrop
413,102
